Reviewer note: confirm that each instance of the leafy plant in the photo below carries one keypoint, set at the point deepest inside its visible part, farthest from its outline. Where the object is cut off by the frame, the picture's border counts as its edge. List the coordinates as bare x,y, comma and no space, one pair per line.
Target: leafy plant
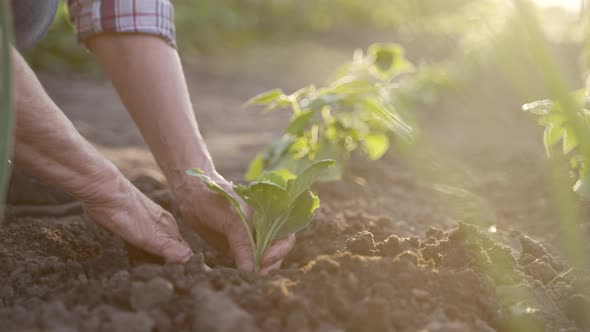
559,131
282,204
356,109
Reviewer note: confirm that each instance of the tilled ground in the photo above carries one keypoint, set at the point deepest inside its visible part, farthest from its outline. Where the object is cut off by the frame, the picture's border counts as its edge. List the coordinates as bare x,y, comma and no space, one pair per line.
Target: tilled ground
385,252
350,272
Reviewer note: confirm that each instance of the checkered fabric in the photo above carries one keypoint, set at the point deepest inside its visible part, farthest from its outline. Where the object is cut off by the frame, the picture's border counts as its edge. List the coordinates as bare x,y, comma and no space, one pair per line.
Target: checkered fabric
154,17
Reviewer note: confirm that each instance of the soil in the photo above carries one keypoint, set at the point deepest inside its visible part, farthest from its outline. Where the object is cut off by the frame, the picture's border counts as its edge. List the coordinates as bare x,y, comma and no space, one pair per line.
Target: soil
387,251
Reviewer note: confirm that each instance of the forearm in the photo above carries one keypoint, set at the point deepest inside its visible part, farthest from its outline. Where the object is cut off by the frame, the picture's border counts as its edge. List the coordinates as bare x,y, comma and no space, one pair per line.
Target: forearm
48,145
148,76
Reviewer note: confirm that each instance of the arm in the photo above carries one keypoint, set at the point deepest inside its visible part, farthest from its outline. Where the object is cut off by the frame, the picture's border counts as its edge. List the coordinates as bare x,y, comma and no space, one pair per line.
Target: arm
48,145
147,73
148,76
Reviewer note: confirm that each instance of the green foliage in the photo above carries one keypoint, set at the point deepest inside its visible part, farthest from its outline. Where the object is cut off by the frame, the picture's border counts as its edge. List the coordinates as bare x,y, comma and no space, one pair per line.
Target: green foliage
560,136
210,26
6,103
283,203
357,109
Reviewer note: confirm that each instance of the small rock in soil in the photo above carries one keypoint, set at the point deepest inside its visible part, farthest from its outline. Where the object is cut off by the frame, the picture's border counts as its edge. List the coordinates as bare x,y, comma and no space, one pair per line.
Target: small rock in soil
362,244
391,246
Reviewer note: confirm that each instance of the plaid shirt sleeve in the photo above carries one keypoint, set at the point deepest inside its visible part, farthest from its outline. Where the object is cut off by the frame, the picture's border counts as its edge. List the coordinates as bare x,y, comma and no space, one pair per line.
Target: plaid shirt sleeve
154,17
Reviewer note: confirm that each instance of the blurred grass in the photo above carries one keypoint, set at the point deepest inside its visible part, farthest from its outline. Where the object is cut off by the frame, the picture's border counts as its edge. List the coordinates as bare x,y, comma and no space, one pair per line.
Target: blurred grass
227,26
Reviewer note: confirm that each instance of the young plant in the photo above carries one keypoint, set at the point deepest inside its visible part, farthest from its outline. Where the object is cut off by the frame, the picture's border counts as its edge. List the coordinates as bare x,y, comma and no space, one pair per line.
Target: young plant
559,130
356,109
282,204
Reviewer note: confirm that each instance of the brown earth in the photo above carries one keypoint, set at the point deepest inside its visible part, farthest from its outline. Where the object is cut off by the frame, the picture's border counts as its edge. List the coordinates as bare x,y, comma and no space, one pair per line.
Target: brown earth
385,252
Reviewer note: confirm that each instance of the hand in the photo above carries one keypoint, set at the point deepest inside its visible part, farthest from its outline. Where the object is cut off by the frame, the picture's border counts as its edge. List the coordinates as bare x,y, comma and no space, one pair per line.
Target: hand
217,221
130,214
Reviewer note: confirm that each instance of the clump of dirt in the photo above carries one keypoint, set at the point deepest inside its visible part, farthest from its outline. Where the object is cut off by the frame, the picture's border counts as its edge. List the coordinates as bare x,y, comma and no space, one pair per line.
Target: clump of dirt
68,274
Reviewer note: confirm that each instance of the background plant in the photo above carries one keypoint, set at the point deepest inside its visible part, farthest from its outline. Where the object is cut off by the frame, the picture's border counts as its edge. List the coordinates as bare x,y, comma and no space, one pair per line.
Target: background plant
357,109
561,137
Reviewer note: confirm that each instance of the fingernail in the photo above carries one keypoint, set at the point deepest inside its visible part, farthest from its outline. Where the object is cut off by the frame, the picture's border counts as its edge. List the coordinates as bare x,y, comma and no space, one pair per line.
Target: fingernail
179,253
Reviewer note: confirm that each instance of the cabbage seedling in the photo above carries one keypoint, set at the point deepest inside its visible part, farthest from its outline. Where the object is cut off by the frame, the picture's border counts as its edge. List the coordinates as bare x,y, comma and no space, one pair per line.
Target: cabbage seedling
283,204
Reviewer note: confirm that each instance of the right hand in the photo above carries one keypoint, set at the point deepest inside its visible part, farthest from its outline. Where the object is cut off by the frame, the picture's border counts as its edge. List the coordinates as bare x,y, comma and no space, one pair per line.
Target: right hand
127,212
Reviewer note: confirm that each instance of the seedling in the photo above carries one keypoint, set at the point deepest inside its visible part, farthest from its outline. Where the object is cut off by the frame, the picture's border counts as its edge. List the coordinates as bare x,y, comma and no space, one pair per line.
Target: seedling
559,129
283,204
356,109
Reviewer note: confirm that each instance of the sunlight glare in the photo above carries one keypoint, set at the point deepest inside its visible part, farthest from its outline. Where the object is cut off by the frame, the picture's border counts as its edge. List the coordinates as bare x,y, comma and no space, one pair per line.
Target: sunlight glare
568,4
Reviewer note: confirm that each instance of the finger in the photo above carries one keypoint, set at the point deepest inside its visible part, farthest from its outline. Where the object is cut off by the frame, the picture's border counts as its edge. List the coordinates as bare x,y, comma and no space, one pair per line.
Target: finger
240,248
278,250
275,266
175,250
168,241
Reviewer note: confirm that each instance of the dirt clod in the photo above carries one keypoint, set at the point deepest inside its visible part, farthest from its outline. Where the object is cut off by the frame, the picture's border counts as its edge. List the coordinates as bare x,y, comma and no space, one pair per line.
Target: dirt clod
215,311
146,295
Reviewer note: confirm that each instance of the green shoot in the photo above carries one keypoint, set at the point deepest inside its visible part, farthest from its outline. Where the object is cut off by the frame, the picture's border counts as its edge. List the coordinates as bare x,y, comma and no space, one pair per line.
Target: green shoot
283,204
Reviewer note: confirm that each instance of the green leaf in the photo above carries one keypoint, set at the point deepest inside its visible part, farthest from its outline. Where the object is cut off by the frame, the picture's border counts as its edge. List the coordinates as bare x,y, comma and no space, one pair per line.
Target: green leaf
275,177
569,140
321,101
302,209
269,202
556,118
349,86
299,122
266,97
288,166
256,168
389,59
306,178
212,185
385,55
376,145
551,135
